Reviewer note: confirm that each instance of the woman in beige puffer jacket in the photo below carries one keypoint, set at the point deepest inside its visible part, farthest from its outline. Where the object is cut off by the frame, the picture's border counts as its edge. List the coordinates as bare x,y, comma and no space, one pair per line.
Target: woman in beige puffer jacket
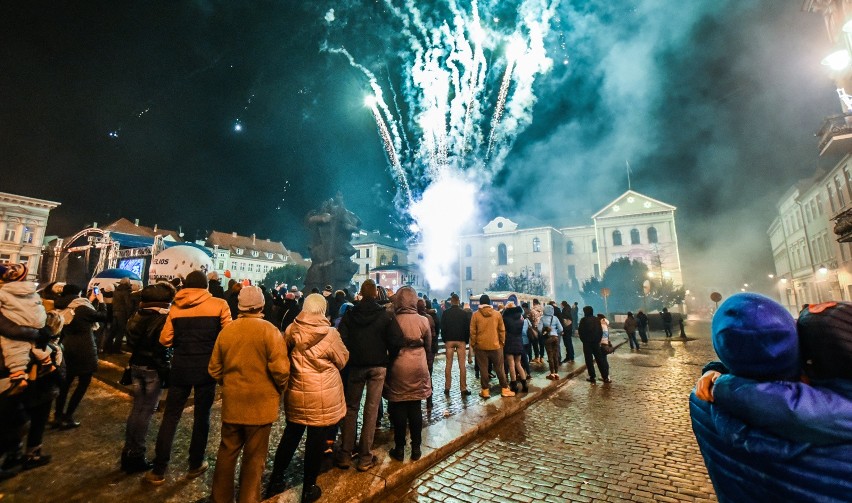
314,398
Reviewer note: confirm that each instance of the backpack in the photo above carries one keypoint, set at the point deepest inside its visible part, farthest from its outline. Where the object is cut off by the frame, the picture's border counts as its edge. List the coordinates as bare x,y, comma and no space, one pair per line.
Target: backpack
532,332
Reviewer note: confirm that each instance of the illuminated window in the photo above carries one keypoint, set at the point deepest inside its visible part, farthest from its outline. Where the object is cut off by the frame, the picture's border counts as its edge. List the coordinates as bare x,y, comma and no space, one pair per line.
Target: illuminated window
536,245
616,238
395,259
652,235
634,236
502,255
28,236
383,260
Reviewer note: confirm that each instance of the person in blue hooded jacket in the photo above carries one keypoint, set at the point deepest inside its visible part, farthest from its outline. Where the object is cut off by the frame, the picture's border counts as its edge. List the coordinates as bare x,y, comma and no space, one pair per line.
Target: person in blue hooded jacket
765,434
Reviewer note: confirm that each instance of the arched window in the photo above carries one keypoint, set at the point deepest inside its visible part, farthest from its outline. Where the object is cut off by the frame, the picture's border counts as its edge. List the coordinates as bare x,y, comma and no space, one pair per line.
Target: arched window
569,248
468,251
616,238
634,236
395,259
594,246
536,244
502,255
652,235
383,260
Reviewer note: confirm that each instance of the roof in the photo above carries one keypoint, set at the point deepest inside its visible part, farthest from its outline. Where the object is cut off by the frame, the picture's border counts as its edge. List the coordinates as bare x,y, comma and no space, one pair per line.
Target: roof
125,226
632,203
376,237
396,267
233,241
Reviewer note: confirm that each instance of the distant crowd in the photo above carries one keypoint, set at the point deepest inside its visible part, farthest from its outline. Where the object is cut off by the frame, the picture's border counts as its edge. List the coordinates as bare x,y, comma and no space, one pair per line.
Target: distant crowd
317,356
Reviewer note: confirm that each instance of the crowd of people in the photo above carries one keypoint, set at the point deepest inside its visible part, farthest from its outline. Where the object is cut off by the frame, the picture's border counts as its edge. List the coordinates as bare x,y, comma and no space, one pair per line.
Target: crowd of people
328,357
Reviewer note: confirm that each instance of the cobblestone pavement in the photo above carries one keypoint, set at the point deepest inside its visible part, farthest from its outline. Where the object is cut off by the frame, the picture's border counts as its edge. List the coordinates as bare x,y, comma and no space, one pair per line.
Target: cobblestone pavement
85,460
626,441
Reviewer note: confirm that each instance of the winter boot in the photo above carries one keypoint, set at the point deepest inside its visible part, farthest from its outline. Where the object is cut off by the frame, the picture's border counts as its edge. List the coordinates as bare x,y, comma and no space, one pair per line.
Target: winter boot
524,386
513,385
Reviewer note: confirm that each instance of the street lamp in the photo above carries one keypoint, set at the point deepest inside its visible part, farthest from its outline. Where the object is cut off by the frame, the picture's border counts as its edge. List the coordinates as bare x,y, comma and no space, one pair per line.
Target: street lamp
837,60
823,269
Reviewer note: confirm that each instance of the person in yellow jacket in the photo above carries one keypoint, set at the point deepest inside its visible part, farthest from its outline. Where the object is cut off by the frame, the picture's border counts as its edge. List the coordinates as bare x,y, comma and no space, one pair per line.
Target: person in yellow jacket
487,338
250,362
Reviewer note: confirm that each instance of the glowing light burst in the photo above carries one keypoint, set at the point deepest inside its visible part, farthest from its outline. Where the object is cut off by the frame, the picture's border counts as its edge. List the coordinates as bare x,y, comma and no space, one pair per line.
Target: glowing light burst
466,78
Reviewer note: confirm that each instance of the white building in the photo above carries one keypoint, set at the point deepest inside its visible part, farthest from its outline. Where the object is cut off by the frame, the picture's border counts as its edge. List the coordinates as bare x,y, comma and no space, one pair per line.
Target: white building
23,221
633,225
374,250
249,258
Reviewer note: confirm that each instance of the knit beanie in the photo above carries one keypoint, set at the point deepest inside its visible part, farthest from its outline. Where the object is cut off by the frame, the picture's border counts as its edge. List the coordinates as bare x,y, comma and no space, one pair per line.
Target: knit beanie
484,300
368,289
755,337
825,340
195,279
158,292
250,298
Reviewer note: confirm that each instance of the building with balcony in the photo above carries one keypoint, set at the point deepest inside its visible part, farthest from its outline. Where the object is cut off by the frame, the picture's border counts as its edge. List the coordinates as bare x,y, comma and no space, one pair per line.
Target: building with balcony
23,221
374,250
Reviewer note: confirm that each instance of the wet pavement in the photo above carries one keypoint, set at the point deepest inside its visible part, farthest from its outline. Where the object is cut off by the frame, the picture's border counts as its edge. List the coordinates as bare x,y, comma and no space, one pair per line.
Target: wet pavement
626,441
511,438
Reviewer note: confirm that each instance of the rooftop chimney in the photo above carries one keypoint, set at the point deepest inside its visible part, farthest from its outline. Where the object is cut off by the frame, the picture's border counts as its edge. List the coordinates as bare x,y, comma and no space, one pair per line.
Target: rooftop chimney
155,227
253,238
136,222
233,234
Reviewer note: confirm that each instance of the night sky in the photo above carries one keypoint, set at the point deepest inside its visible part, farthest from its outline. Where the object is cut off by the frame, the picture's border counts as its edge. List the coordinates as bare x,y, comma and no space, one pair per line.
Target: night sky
229,116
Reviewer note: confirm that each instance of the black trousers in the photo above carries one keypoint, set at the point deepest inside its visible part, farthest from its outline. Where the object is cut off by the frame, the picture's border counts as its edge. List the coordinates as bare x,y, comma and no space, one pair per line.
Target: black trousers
593,353
83,382
314,448
404,414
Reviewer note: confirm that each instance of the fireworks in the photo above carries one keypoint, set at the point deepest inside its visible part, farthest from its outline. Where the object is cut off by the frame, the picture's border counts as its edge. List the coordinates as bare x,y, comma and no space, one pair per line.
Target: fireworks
451,62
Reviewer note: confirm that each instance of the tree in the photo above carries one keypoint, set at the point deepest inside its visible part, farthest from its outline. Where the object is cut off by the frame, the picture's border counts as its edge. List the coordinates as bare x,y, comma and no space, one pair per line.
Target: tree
532,284
290,274
625,280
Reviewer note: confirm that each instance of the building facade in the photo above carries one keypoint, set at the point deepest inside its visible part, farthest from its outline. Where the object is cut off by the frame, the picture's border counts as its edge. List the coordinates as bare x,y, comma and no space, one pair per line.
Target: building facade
633,225
23,221
374,250
246,258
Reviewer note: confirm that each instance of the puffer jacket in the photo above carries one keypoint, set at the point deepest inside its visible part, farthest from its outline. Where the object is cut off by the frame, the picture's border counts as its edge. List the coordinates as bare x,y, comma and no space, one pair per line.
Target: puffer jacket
78,338
487,331
548,319
590,330
143,336
191,328
317,354
408,378
513,319
630,324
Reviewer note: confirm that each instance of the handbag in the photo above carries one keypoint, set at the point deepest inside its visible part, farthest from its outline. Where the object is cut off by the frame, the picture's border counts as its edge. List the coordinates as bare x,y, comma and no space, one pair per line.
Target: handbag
126,377
607,348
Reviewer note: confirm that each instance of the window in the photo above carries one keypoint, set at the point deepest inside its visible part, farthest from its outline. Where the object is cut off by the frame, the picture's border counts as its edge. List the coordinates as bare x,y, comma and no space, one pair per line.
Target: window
830,190
819,204
569,248
255,253
594,246
814,250
251,267
537,267
268,255
634,237
468,273
383,260
242,266
652,235
419,256
467,251
221,265
839,184
238,251
367,269
616,238
357,253
536,244
597,270
23,259
502,255
5,257
10,235
28,235
395,259
368,252
572,272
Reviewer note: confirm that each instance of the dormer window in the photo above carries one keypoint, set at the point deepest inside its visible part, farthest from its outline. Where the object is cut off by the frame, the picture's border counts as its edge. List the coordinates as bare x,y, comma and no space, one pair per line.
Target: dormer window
268,255
255,253
238,251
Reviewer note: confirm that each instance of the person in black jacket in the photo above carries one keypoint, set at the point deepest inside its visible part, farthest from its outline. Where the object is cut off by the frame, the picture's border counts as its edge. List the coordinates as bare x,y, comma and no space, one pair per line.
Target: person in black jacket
368,331
214,285
122,310
149,367
591,333
455,329
81,351
513,319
